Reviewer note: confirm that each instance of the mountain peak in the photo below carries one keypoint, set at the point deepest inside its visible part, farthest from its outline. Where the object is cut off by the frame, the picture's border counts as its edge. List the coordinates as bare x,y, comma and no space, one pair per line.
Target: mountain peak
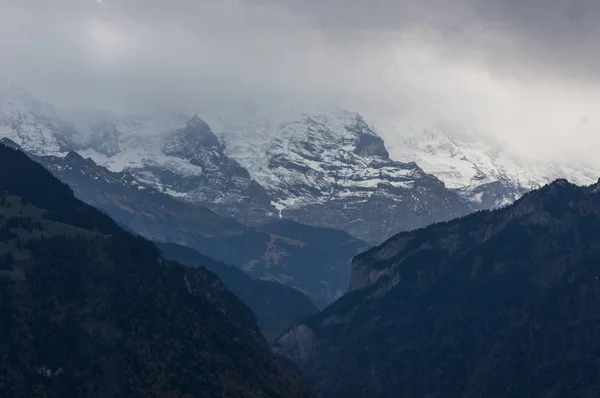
32,124
556,187
330,169
196,123
198,132
561,182
74,157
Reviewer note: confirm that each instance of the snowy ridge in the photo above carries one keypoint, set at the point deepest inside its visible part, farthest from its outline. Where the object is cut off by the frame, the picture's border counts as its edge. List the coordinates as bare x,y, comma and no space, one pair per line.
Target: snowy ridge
315,158
471,163
184,159
331,169
31,124
316,164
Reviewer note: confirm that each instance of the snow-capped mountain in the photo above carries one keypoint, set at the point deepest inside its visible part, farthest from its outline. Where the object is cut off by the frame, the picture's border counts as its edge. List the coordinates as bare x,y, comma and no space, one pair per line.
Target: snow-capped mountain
325,167
176,154
184,159
330,169
327,170
31,123
483,170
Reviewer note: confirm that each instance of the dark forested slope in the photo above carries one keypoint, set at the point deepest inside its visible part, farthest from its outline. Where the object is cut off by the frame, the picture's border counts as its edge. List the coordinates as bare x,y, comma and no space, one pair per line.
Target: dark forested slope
89,310
503,303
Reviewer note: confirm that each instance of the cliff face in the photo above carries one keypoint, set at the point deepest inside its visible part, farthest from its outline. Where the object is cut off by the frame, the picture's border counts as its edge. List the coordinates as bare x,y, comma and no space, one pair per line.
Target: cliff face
89,310
501,303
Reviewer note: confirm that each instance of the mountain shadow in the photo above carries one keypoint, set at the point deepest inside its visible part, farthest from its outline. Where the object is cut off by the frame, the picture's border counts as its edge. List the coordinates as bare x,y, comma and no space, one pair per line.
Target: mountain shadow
276,306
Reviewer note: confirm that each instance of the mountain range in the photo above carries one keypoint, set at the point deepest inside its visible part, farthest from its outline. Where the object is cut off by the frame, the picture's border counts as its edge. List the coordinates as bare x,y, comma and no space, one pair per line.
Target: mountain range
325,167
482,169
499,303
487,287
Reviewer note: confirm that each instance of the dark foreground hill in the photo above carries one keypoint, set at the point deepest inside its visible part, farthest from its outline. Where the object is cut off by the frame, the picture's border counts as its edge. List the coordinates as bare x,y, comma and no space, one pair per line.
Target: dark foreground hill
496,304
89,310
276,306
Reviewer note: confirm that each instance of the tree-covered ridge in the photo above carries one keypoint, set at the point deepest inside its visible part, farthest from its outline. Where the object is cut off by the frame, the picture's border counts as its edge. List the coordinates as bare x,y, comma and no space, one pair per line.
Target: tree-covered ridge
90,310
501,303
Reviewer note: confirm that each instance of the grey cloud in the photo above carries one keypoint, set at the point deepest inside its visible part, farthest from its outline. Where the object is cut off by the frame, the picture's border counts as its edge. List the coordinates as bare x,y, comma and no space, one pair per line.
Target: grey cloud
523,69
522,37
554,36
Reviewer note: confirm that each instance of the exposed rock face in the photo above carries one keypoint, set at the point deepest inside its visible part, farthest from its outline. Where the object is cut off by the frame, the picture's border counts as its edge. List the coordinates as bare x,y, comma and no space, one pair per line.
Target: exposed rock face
332,170
499,303
90,310
298,343
218,182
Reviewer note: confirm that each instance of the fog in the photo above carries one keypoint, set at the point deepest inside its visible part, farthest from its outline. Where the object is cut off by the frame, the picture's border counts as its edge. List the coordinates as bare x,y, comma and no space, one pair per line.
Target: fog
525,71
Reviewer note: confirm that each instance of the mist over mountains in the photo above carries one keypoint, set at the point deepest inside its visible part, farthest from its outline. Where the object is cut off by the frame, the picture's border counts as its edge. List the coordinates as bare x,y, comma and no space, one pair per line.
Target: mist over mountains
328,168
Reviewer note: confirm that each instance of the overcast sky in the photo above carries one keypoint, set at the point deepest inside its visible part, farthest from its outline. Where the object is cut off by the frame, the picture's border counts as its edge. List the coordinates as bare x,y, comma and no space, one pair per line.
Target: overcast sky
525,70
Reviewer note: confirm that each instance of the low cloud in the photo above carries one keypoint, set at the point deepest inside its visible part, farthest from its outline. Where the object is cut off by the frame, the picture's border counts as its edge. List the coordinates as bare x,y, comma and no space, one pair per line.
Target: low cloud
523,70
